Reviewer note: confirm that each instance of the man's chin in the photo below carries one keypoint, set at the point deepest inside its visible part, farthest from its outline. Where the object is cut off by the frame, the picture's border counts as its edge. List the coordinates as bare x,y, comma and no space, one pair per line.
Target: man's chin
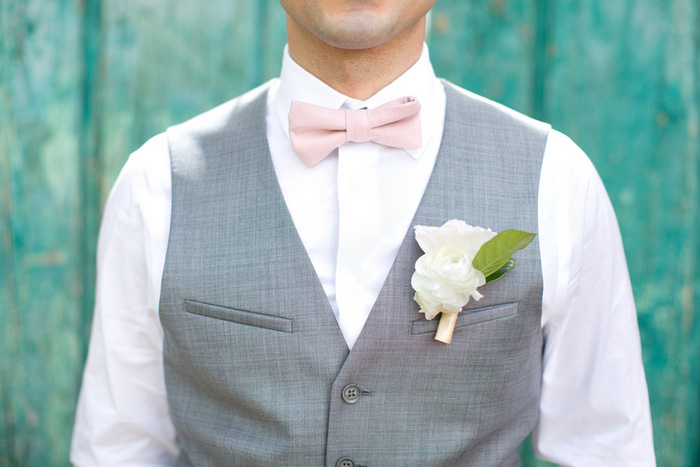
357,38
356,44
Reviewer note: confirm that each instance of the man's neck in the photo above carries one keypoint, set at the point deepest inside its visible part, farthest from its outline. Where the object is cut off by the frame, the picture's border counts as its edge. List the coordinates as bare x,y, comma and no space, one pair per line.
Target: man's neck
356,73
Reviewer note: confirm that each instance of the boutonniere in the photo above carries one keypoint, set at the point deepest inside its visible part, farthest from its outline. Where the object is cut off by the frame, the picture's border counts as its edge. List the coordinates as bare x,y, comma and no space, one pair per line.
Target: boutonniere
460,258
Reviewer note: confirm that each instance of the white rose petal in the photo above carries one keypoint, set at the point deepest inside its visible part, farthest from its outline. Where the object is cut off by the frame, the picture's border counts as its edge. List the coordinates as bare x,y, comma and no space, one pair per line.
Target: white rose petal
454,233
445,279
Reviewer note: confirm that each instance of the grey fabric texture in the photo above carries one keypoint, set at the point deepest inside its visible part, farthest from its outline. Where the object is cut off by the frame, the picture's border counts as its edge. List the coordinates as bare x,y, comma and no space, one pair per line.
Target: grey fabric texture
255,363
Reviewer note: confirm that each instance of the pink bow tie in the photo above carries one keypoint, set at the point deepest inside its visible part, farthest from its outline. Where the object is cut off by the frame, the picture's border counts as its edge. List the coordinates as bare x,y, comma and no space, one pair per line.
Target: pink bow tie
316,131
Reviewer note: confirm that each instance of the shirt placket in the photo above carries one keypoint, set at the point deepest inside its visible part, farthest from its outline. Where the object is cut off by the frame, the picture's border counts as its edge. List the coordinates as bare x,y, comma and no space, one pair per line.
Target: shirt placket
360,228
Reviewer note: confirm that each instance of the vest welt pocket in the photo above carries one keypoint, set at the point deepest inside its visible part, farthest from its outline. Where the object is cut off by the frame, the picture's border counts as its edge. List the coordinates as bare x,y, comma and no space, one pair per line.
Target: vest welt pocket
235,315
467,318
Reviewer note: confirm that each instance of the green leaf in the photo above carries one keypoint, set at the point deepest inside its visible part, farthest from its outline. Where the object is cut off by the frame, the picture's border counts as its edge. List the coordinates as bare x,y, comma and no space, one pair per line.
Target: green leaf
510,264
495,253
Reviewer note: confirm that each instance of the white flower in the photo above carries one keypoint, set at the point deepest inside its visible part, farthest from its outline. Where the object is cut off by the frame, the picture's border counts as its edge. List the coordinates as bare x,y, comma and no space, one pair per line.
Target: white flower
445,279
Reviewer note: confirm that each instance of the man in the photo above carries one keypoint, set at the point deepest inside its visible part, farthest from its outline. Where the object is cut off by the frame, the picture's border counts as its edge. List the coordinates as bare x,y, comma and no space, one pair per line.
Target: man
284,330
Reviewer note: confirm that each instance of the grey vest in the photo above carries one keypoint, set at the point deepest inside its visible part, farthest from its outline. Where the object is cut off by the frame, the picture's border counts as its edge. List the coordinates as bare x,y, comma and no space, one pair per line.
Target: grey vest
257,371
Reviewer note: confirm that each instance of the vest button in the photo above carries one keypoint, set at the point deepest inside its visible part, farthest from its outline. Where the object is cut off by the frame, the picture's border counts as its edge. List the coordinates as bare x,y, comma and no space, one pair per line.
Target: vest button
345,462
351,394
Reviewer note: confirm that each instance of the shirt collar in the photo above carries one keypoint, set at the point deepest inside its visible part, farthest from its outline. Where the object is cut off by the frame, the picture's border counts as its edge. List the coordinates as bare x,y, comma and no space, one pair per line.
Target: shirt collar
419,81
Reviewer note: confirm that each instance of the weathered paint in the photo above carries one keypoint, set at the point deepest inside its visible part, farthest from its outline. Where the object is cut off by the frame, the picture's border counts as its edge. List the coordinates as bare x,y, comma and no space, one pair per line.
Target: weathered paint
84,83
40,260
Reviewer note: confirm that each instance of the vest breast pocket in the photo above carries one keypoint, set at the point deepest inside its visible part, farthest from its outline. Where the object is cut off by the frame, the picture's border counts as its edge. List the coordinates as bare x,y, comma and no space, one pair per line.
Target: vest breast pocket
239,316
468,317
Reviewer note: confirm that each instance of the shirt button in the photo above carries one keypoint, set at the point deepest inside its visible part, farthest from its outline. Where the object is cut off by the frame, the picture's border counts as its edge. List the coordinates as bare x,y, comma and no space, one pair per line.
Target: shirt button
345,462
351,394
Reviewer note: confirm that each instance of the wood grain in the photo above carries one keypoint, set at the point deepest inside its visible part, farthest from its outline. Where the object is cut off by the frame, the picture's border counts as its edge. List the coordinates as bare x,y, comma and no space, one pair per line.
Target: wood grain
40,289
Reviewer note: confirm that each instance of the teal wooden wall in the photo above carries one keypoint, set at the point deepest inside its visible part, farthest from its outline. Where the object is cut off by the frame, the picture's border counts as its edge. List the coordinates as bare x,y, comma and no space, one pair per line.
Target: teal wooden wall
83,83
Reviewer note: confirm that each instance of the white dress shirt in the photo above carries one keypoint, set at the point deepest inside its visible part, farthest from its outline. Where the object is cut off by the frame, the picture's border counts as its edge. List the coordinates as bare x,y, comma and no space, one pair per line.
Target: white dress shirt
352,210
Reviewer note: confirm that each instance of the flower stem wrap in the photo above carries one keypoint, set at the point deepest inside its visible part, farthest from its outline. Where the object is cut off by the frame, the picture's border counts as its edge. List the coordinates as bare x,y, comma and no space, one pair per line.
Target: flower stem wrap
446,327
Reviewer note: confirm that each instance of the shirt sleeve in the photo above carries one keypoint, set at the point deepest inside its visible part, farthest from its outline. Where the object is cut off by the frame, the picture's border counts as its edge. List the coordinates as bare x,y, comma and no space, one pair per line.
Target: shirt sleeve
594,407
122,416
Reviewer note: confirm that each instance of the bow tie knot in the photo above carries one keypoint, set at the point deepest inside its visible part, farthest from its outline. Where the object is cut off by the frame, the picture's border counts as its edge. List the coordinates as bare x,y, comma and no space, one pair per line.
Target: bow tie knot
358,125
316,131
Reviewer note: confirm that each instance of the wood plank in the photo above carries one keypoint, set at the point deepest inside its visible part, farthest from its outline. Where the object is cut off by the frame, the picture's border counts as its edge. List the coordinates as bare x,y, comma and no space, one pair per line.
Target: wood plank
624,83
488,47
166,61
39,204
